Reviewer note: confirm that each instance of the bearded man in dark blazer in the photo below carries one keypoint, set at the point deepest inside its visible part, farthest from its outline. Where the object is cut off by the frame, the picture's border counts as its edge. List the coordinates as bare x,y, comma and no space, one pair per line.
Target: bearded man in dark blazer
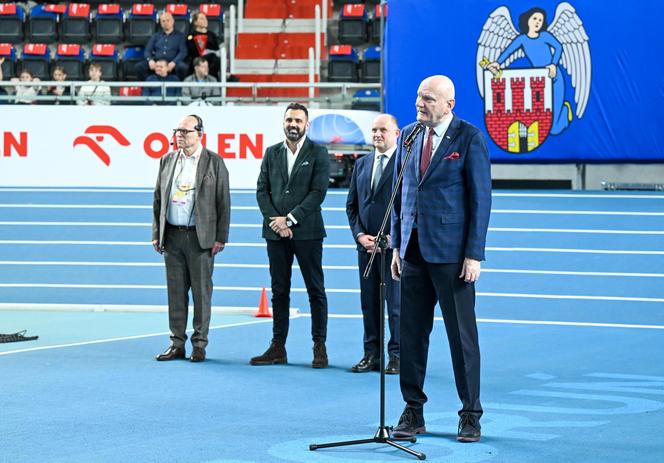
291,187
191,217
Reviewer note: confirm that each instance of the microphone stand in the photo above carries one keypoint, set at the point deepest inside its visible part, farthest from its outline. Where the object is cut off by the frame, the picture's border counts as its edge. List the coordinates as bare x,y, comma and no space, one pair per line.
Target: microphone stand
382,435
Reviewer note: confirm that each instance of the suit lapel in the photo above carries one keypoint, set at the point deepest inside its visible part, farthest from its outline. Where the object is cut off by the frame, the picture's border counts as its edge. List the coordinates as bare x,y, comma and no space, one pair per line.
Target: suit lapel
302,156
282,162
443,146
202,168
388,170
167,176
364,176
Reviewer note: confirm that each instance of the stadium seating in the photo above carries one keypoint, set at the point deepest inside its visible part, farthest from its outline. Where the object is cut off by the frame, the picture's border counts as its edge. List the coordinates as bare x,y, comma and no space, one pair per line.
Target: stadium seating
36,58
106,55
74,26
141,24
371,65
374,25
8,52
72,58
42,24
353,24
342,65
366,99
108,24
132,55
12,17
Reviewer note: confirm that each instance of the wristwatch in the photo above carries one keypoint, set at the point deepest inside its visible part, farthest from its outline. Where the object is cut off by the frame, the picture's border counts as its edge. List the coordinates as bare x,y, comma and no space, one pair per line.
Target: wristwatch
289,223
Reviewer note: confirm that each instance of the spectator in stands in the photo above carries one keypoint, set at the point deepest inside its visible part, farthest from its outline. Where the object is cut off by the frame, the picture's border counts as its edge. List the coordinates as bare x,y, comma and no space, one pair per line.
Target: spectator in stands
204,43
94,93
167,44
60,92
161,75
3,90
24,94
201,75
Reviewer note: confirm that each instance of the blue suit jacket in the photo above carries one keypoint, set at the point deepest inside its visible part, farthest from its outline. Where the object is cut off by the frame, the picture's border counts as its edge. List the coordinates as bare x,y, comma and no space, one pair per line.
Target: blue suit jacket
365,210
450,205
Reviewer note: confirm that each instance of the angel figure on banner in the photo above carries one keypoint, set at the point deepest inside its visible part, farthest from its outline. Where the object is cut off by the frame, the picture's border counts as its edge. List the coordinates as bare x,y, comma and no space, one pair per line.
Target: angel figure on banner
564,44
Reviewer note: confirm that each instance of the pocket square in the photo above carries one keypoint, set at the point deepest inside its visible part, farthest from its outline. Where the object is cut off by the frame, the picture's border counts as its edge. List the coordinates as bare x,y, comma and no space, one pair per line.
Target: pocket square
451,156
305,163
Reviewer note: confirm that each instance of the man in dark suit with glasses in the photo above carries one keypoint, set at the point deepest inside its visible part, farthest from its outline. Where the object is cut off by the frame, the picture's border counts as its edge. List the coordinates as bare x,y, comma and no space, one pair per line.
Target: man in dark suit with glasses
191,217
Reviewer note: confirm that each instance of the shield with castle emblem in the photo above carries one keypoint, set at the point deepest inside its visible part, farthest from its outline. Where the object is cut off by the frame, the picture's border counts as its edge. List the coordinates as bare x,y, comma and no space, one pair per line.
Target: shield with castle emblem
518,108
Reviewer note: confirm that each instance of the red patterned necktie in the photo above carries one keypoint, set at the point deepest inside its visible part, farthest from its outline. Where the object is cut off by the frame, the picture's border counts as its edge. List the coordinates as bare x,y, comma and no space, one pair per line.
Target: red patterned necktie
426,152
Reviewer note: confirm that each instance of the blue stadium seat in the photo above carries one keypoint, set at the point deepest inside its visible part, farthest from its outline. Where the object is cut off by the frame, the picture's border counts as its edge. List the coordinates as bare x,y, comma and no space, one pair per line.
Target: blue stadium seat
181,16
141,24
74,26
42,23
108,24
342,64
106,55
12,17
366,99
36,58
371,65
8,52
353,24
132,55
71,58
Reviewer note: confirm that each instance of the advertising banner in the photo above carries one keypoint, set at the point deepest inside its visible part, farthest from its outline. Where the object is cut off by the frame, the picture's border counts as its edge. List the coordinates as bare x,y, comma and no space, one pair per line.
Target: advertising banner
119,146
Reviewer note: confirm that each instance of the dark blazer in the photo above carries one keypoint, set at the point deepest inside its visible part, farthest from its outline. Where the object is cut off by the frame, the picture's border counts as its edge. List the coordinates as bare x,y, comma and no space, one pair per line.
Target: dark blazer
212,208
452,202
300,195
365,210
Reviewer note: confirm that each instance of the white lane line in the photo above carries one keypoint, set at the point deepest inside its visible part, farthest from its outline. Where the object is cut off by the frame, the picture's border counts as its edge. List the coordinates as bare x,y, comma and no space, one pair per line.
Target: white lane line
572,212
526,322
16,223
50,263
576,195
127,338
328,290
326,246
334,209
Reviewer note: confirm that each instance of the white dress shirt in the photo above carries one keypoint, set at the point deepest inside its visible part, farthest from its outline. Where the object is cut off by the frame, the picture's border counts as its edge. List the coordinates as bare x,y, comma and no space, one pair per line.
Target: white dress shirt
439,132
183,193
388,155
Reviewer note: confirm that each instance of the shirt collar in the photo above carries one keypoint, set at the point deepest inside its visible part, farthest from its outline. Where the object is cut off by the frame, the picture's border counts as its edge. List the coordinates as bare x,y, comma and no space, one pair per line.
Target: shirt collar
442,126
299,146
388,154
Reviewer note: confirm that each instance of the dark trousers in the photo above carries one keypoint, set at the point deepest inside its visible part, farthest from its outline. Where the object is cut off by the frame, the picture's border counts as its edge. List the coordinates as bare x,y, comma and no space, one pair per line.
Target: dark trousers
422,285
142,70
188,266
309,255
371,309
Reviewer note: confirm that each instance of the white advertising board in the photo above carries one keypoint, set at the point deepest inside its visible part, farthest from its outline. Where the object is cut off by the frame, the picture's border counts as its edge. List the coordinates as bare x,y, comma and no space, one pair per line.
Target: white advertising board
119,146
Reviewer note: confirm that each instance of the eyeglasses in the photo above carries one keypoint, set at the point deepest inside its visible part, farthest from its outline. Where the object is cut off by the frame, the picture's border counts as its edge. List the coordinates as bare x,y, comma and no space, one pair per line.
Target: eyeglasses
183,132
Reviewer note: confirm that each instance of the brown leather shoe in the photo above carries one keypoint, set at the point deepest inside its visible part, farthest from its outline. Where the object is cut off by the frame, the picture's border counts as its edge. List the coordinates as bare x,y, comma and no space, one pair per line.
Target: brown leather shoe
172,353
274,355
320,355
392,366
197,355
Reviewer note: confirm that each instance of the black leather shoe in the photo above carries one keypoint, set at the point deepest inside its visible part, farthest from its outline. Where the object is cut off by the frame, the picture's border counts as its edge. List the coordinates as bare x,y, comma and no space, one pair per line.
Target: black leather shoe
469,428
274,355
197,355
368,363
410,423
172,353
392,366
320,355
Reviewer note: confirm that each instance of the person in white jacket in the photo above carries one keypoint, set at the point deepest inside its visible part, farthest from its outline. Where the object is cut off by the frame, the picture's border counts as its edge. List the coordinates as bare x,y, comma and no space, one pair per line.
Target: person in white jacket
94,93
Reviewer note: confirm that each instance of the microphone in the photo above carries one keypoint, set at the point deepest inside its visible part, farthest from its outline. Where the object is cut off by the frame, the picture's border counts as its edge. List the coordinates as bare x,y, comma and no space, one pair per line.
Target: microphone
413,134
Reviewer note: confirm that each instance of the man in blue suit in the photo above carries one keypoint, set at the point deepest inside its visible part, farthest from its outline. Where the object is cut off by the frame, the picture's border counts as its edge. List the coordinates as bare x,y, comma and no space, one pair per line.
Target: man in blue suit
368,195
439,227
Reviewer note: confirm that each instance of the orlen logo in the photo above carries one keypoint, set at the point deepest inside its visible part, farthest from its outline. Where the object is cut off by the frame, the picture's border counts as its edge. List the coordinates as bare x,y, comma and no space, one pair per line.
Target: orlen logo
100,131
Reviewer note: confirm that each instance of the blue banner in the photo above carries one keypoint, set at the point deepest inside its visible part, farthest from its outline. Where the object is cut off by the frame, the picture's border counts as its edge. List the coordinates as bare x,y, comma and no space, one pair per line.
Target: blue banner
548,81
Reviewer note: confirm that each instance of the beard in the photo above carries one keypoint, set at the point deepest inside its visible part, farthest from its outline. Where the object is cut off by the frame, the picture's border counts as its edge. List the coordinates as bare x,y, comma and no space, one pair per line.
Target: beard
293,133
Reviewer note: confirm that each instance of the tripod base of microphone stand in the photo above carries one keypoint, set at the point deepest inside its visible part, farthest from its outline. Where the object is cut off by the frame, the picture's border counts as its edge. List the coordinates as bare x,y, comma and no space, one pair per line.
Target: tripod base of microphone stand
382,436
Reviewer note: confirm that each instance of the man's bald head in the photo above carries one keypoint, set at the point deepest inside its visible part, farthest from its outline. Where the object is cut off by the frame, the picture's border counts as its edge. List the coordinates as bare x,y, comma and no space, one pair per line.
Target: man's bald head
435,100
384,132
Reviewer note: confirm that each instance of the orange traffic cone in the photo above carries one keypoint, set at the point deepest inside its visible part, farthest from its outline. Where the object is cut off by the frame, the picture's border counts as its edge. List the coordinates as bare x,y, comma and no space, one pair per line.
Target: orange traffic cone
263,310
